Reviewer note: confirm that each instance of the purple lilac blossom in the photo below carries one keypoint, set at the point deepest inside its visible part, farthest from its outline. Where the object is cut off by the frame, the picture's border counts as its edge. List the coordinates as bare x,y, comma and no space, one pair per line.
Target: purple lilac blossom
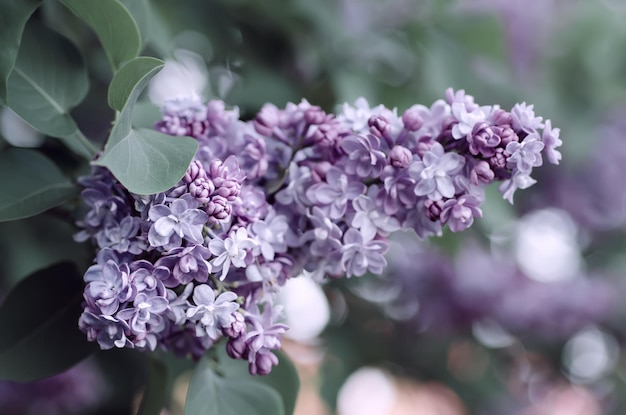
294,190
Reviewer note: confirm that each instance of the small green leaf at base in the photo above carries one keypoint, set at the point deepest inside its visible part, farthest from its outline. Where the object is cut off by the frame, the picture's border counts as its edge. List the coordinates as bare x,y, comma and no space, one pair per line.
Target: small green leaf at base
30,184
211,394
127,77
39,325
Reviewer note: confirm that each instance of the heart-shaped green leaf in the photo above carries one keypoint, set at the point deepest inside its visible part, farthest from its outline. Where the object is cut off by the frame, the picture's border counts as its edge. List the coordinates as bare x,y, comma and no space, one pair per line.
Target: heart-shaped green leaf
209,393
115,26
13,18
30,184
48,80
38,322
145,161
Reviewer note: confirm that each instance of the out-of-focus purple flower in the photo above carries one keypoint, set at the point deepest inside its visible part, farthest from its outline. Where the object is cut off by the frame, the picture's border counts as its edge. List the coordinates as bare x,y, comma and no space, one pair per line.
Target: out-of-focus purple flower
76,391
231,250
400,157
175,222
433,173
212,314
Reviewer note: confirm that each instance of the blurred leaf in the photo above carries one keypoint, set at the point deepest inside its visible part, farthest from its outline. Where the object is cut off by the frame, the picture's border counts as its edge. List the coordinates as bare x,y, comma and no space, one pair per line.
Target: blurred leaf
284,377
48,80
127,77
154,396
141,11
144,161
30,184
13,18
210,394
115,26
38,321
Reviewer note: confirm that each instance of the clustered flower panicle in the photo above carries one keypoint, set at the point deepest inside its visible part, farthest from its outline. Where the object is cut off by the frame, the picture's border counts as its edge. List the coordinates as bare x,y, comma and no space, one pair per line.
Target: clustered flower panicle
294,190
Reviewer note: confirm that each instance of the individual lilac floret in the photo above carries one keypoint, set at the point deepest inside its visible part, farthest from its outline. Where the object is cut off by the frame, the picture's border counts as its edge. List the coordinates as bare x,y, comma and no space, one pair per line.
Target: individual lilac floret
108,287
434,173
232,250
467,119
186,265
212,314
108,331
370,220
364,156
175,222
146,312
121,236
523,118
148,278
519,180
359,255
525,155
333,195
270,235
261,338
550,137
459,213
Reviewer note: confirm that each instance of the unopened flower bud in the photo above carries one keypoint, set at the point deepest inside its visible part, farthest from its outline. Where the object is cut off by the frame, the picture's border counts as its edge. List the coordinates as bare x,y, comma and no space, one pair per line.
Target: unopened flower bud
400,157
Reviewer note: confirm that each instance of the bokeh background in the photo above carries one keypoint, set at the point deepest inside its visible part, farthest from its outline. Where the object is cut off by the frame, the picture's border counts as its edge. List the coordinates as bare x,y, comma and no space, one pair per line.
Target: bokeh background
522,314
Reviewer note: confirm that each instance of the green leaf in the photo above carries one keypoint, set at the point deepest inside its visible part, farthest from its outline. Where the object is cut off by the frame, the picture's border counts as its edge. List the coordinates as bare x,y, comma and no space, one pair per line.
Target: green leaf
13,18
38,322
154,396
115,26
30,184
141,11
127,77
48,80
283,378
210,394
144,161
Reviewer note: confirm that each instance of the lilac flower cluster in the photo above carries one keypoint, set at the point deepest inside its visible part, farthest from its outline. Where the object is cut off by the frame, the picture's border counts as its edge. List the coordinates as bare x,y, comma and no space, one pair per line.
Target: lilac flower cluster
79,390
293,190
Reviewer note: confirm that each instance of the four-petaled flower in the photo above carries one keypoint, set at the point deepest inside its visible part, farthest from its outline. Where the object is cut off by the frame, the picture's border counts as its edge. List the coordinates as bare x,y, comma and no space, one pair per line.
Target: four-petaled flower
232,250
212,314
175,222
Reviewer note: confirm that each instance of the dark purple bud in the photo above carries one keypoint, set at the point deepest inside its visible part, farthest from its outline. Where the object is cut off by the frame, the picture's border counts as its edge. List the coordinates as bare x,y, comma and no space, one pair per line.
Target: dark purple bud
481,173
498,160
380,127
400,157
424,144
412,120
325,135
433,209
237,348
218,209
263,363
237,328
202,189
507,135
